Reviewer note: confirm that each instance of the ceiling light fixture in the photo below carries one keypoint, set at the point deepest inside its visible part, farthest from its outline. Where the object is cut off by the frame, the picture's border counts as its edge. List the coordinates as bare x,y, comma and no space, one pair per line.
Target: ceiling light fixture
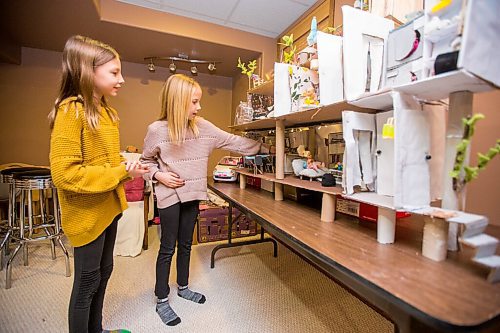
182,58
172,68
151,66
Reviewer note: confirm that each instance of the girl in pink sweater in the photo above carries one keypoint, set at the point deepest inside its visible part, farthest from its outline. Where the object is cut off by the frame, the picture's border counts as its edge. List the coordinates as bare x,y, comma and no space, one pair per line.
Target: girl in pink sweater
176,149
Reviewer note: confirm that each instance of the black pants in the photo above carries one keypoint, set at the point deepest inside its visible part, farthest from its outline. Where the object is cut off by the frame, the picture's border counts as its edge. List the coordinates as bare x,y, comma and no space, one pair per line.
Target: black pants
177,224
93,267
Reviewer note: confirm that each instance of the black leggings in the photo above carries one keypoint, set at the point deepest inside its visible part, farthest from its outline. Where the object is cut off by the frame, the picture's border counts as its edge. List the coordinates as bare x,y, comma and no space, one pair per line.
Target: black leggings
93,267
177,224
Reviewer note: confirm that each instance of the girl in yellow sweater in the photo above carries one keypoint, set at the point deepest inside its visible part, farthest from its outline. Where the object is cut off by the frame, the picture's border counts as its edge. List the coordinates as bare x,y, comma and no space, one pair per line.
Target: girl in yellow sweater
89,172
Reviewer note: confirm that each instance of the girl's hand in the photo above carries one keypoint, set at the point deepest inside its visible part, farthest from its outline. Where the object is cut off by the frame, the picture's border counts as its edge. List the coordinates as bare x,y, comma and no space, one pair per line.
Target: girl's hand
268,149
169,179
136,169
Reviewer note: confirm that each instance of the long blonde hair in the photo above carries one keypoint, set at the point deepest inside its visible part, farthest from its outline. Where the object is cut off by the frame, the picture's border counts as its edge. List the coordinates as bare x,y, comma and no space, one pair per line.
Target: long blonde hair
175,98
81,55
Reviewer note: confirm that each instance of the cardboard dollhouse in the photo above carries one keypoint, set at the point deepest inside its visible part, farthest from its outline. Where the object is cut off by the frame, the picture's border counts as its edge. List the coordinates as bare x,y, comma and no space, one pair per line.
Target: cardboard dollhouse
410,72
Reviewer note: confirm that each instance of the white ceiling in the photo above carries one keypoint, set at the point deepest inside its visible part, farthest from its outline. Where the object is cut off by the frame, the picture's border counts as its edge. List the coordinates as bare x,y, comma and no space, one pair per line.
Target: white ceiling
264,17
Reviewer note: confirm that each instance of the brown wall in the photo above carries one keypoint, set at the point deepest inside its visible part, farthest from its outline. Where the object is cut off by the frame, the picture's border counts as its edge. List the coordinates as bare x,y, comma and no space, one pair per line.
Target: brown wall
483,193
28,91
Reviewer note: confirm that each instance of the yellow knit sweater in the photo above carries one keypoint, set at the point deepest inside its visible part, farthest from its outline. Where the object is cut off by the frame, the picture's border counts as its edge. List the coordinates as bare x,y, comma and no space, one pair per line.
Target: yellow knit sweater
87,171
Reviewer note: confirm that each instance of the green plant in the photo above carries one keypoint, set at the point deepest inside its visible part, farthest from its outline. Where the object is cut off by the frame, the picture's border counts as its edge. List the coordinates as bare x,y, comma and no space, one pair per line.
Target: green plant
470,173
288,57
334,30
247,69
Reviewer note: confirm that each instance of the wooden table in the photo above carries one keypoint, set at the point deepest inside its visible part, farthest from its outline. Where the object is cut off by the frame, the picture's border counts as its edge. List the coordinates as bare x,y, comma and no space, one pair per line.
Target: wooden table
417,294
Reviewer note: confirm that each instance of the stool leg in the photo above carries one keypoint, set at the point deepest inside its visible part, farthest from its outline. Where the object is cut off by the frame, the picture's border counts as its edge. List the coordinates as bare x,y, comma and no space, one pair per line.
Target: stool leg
66,256
11,217
3,246
22,222
8,269
57,223
45,216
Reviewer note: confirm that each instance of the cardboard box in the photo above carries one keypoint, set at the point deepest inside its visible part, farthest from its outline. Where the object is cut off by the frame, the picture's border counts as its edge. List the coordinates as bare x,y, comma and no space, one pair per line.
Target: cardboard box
213,225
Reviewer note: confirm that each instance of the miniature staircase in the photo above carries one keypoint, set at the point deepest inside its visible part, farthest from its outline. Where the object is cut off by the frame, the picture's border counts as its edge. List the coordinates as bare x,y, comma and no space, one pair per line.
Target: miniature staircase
480,248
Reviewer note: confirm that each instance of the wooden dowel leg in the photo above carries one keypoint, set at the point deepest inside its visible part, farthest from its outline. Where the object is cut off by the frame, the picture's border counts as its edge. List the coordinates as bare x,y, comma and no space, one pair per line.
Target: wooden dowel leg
435,239
386,225
278,192
328,206
243,181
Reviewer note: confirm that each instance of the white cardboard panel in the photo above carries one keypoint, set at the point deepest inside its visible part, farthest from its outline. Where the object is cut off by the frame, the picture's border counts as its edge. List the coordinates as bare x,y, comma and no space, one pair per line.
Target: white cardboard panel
331,85
282,103
358,27
411,145
480,53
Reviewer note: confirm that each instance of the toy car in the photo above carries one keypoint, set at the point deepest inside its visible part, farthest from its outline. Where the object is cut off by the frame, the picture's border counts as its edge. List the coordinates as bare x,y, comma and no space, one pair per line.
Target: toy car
225,169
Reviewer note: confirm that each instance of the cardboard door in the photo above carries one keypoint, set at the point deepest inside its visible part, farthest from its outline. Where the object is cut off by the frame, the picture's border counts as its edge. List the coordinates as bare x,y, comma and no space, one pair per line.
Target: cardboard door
411,153
359,133
384,157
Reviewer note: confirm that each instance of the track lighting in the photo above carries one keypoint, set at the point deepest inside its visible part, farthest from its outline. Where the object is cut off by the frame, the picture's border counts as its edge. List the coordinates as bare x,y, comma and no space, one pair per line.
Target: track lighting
181,58
172,68
151,66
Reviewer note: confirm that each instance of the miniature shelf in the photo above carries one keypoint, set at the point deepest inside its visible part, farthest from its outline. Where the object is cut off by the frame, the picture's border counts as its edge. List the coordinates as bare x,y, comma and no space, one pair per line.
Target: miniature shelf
372,198
326,113
266,88
380,100
439,87
293,181
267,123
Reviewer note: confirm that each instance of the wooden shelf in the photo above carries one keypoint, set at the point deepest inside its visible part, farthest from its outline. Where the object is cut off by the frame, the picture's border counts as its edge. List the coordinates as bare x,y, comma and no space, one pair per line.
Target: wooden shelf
326,113
439,87
267,88
267,123
294,181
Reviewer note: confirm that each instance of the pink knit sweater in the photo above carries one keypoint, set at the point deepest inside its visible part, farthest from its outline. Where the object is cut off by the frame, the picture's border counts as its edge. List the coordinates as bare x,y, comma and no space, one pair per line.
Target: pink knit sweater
189,160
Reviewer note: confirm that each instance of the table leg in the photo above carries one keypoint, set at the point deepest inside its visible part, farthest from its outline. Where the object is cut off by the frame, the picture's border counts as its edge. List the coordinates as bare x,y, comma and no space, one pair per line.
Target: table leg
231,244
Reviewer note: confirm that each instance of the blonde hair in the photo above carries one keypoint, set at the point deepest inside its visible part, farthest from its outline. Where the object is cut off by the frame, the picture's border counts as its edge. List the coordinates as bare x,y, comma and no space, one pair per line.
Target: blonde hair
81,55
175,98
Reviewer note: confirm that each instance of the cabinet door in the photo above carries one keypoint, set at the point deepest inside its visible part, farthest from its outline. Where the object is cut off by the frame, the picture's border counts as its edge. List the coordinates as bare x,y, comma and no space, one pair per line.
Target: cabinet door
385,157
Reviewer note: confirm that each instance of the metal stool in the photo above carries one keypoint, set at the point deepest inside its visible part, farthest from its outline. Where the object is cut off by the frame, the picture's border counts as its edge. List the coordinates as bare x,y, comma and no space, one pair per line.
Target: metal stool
11,226
27,182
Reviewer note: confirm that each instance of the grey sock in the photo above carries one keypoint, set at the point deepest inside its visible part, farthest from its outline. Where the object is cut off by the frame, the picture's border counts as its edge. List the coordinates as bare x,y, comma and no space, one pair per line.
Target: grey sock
167,315
187,293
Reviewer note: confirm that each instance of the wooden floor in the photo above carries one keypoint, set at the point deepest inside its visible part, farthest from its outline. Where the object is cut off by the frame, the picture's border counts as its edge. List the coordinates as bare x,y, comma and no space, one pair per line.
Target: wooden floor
452,292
